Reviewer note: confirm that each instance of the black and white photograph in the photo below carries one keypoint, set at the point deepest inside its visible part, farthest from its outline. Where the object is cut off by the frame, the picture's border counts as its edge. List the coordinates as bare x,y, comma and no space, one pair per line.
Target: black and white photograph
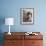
27,15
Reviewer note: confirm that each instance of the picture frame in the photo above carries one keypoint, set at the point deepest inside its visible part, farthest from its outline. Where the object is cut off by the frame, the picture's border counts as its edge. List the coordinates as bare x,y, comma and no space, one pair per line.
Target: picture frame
27,15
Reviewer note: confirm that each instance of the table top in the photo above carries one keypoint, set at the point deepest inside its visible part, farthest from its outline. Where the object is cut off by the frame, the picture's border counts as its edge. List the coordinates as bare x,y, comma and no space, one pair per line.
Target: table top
22,35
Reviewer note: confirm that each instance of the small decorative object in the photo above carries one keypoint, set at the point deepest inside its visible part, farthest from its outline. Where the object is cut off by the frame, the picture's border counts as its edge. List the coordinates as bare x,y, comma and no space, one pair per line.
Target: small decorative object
26,34
27,15
30,33
9,21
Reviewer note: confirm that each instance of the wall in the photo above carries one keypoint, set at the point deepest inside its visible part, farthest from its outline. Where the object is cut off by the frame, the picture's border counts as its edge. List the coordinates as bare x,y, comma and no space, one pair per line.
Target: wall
11,8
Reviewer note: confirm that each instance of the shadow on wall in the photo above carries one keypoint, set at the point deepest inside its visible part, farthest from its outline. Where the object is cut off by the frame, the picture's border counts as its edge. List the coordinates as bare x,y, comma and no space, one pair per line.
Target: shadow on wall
2,21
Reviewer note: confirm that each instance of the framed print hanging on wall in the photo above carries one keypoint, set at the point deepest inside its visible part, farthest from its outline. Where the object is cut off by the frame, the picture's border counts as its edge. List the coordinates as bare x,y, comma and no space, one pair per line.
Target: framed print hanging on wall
27,15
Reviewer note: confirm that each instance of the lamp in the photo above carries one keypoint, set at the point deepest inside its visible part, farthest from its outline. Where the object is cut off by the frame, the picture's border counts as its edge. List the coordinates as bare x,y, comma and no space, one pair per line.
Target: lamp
9,21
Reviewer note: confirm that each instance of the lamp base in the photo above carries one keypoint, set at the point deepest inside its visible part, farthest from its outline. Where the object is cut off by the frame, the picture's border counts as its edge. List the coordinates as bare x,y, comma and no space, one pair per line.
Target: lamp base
9,33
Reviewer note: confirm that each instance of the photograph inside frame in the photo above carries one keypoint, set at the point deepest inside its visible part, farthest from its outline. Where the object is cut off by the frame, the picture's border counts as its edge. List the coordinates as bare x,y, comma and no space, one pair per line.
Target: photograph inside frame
27,15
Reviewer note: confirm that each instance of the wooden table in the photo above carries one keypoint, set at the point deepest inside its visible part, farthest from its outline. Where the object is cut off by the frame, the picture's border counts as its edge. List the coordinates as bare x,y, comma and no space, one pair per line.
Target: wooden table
20,39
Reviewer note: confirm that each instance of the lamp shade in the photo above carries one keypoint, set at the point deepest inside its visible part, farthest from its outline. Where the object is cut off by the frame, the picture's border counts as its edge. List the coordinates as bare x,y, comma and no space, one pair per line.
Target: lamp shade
9,21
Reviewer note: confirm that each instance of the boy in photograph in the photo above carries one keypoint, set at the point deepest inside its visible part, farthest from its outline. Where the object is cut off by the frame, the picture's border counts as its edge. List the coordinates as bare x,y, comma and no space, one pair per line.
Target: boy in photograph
27,17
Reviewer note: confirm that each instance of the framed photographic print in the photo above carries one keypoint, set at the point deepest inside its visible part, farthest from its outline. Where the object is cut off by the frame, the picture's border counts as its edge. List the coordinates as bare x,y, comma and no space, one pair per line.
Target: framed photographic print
27,15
